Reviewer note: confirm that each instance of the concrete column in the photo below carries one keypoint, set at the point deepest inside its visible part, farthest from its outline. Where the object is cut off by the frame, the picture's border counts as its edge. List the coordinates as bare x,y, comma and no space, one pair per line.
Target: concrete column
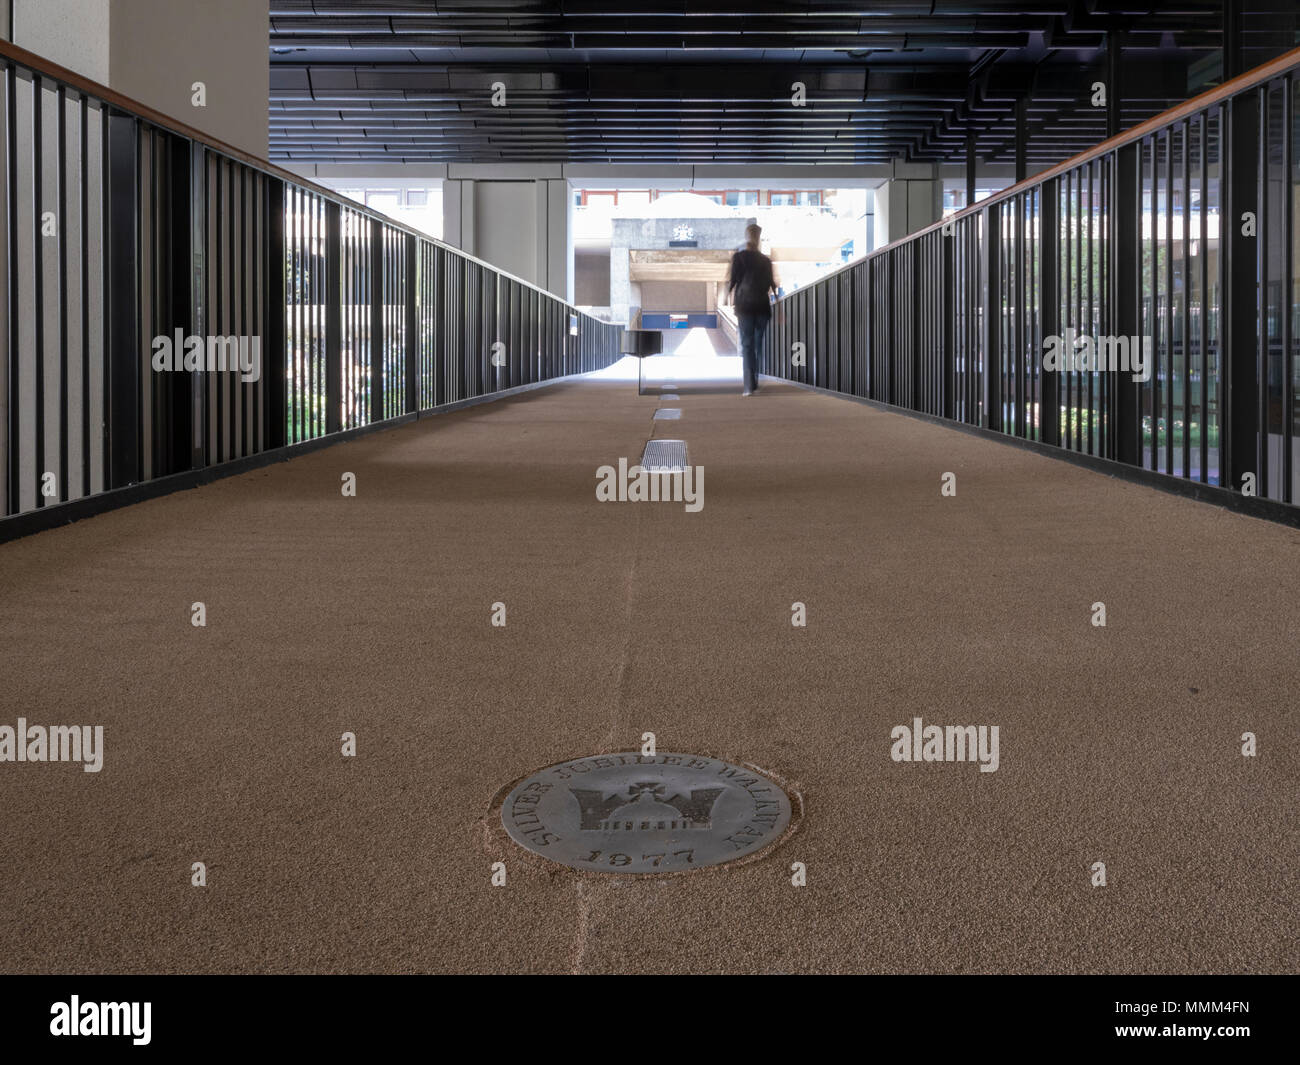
155,51
971,161
621,296
558,246
522,226
458,214
907,203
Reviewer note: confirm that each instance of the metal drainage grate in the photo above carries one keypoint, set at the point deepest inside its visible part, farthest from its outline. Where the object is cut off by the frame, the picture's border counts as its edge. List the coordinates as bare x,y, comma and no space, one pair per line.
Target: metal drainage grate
669,395
664,456
668,414
636,813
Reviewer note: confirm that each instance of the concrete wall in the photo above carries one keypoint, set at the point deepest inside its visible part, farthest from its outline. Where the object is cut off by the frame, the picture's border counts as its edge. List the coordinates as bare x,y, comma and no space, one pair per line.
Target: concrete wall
677,296
906,205
72,33
591,279
160,48
155,50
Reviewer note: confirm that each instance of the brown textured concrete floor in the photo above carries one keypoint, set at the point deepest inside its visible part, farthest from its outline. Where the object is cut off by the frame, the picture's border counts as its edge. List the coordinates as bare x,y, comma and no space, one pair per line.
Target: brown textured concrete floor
371,615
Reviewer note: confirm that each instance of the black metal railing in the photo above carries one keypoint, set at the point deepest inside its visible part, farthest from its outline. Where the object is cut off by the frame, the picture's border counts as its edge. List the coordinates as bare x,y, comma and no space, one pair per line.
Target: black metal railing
1181,230
125,234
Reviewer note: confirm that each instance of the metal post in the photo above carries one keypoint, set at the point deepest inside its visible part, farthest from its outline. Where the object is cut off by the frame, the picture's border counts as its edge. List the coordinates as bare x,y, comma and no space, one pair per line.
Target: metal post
123,308
198,274
1242,441
992,300
1126,218
949,249
1022,136
276,428
1114,50
412,321
376,320
1232,57
333,298
38,285
970,167
1286,227
1049,228
13,399
176,436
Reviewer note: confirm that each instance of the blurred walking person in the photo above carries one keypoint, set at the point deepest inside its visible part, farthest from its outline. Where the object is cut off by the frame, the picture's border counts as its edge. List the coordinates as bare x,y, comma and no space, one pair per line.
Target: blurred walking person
748,284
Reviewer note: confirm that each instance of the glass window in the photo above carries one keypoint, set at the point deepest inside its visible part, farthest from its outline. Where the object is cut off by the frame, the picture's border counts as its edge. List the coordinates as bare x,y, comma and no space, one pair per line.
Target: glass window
383,198
781,199
417,197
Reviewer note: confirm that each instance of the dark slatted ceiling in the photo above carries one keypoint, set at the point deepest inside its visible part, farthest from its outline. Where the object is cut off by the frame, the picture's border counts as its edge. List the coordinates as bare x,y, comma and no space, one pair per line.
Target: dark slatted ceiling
377,80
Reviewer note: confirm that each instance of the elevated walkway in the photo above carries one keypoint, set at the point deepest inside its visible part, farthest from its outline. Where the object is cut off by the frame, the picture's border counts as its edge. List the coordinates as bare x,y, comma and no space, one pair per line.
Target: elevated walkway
371,615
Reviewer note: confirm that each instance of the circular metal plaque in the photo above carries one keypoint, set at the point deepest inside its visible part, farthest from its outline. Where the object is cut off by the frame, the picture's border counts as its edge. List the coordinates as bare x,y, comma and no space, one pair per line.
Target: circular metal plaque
636,813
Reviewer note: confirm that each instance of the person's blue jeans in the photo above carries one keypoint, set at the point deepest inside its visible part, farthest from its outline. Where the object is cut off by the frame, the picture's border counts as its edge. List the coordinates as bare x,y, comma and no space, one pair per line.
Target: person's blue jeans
753,328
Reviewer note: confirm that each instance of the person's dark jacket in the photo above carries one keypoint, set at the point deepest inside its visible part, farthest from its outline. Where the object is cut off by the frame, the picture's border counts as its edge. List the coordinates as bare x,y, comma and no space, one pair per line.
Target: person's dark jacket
750,281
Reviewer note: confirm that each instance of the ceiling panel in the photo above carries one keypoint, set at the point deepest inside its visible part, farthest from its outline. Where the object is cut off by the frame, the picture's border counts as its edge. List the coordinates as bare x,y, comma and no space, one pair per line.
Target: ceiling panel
406,81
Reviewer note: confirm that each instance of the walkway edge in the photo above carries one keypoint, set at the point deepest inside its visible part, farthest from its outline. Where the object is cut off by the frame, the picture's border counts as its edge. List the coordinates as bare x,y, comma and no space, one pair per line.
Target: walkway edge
34,521
1250,506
